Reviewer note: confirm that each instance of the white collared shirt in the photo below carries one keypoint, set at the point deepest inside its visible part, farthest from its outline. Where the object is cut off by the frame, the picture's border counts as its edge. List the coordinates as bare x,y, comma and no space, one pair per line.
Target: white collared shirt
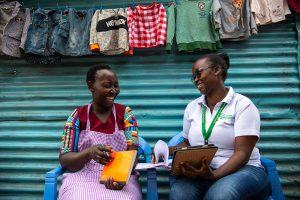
240,117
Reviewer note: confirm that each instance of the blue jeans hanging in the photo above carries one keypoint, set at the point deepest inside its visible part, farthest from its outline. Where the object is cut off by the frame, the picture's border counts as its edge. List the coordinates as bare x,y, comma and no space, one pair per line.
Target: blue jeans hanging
42,31
73,34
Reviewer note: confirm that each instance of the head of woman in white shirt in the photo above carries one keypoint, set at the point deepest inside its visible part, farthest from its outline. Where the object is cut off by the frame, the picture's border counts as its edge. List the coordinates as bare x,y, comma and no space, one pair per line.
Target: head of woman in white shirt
208,74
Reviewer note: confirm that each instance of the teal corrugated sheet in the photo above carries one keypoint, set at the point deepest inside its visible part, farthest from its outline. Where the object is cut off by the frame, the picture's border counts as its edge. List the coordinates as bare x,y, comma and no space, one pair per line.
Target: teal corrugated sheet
96,4
35,101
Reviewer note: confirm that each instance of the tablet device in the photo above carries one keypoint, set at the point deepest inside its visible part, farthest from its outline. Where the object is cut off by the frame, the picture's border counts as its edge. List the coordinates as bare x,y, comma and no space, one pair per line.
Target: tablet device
193,155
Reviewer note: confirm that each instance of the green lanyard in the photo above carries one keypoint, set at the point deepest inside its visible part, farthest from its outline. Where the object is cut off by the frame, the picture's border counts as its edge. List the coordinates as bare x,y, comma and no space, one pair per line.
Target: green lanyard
205,134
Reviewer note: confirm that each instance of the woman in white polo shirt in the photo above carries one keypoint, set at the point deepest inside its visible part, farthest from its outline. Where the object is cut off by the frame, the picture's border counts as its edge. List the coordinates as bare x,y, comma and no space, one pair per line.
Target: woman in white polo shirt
231,122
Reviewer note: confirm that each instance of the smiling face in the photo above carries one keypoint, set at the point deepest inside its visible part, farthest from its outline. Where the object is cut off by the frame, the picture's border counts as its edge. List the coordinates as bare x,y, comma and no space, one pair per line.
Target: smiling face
205,76
105,88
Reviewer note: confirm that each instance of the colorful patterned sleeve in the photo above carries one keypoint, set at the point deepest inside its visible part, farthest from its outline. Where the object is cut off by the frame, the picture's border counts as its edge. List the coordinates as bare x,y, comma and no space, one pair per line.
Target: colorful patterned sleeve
131,127
70,134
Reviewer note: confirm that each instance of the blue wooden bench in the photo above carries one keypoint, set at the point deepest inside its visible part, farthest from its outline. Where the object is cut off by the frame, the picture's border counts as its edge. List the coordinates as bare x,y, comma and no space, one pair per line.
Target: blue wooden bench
269,165
50,190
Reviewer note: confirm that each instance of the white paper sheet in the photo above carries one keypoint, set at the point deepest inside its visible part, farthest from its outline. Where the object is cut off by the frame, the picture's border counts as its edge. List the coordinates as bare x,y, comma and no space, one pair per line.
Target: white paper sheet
161,151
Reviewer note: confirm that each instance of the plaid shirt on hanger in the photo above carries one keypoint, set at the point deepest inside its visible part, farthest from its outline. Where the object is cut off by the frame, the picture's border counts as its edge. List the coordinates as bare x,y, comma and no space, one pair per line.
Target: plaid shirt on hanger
147,26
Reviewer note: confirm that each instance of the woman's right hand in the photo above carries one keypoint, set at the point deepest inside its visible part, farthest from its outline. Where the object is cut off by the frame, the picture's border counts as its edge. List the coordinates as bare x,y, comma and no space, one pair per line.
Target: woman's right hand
101,153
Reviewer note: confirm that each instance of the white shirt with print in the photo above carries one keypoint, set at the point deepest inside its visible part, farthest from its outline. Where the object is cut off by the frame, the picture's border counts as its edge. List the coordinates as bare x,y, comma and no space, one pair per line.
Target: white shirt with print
240,117
269,11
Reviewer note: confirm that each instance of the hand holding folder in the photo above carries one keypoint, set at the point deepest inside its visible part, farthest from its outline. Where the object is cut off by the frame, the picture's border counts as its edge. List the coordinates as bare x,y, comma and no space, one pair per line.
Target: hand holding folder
120,167
194,155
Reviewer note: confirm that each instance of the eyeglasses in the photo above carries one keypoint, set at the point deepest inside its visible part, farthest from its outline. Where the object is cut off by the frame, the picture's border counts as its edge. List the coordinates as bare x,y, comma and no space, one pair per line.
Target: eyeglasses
198,73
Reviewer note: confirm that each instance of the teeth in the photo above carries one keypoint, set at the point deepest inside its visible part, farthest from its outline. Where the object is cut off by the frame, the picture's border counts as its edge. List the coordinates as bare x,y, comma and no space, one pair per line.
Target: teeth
199,85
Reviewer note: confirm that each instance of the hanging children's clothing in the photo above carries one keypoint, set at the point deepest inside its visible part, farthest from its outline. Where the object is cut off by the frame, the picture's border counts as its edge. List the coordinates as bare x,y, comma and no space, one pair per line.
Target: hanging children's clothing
14,23
109,32
147,25
73,33
294,5
261,11
234,19
40,37
42,31
191,21
269,11
278,10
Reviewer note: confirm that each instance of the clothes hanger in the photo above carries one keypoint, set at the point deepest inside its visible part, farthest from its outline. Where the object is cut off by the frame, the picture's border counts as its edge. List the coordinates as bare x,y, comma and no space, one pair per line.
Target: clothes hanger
35,8
124,6
23,8
100,6
57,5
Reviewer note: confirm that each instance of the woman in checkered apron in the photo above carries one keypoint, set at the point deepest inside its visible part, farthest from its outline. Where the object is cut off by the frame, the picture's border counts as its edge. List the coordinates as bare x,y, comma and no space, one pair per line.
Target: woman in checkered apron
90,134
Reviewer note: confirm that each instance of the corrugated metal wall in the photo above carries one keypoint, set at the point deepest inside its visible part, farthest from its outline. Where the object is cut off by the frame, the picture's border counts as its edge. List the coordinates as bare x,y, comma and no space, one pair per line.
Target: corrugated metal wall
35,101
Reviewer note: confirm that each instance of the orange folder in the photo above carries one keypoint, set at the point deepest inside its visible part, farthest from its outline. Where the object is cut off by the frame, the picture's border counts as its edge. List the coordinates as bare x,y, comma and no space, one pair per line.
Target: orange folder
120,167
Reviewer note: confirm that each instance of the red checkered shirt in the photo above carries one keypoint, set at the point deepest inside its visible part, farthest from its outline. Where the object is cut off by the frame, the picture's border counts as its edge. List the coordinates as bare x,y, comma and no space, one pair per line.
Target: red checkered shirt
147,26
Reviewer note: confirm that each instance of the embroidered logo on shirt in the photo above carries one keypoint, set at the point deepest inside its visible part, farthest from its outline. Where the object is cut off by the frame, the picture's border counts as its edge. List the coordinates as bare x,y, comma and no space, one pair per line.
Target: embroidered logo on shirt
223,116
201,6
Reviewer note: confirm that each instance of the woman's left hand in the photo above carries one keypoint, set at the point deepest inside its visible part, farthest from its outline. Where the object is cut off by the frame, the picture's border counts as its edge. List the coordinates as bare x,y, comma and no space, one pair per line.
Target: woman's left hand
204,172
113,185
